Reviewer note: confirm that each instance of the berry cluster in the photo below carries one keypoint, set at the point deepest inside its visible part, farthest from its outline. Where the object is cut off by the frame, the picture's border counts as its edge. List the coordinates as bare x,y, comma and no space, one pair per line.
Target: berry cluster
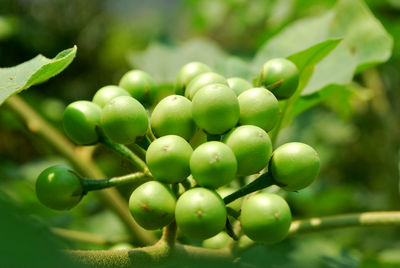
212,131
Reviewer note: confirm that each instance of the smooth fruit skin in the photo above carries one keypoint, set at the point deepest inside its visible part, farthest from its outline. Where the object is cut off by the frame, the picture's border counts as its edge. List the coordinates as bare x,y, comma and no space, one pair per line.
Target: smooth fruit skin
173,116
238,85
252,148
59,187
217,241
200,213
266,218
140,85
281,76
80,120
203,80
187,73
215,109
259,107
152,205
105,94
123,119
168,158
295,165
213,164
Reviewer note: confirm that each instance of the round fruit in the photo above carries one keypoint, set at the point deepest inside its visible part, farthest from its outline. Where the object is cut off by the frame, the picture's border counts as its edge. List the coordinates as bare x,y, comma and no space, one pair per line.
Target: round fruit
107,93
258,107
266,218
59,187
80,120
168,158
252,148
295,165
200,213
140,85
187,73
238,85
213,164
217,241
173,115
201,81
123,119
152,205
280,76
215,108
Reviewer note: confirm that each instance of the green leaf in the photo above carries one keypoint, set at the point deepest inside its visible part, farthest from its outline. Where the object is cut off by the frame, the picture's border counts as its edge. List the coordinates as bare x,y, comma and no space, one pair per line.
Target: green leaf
39,69
365,43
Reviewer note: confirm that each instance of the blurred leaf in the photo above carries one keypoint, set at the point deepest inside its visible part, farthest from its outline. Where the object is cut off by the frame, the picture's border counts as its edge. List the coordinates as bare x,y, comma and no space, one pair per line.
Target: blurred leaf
15,79
365,43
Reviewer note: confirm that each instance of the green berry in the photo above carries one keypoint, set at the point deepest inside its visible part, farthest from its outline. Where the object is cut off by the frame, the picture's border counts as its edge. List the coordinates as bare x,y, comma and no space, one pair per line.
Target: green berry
200,213
266,218
281,76
173,116
187,73
105,94
168,158
201,81
152,205
294,165
258,107
213,164
124,119
140,85
217,241
59,187
80,120
252,148
238,85
215,109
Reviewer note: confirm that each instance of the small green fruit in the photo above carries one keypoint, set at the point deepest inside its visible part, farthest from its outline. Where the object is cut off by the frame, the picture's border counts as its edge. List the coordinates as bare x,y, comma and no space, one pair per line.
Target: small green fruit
105,94
266,218
280,76
59,187
152,205
200,213
238,85
187,73
140,85
294,165
80,120
201,81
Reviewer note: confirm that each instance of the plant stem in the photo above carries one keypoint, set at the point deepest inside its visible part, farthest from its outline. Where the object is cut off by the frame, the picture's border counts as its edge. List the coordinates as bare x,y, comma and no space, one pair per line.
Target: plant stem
261,182
89,238
127,154
169,235
93,184
83,162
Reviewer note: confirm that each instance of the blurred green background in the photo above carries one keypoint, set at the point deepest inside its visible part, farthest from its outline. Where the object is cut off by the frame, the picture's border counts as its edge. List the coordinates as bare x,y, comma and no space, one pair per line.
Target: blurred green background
359,147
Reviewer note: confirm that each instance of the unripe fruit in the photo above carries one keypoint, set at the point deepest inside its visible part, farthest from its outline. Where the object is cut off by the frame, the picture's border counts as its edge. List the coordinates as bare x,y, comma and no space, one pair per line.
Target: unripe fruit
140,85
217,241
238,85
173,116
294,165
266,218
213,164
200,213
123,119
258,107
187,73
152,205
215,108
105,94
80,120
168,158
59,187
201,81
252,148
280,76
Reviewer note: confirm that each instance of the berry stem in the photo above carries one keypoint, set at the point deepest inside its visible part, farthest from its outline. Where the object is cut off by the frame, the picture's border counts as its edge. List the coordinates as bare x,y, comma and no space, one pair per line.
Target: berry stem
93,184
127,154
261,182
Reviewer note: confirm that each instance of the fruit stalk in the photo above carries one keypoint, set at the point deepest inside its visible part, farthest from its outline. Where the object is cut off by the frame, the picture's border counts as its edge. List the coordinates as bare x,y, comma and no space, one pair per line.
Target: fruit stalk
93,184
